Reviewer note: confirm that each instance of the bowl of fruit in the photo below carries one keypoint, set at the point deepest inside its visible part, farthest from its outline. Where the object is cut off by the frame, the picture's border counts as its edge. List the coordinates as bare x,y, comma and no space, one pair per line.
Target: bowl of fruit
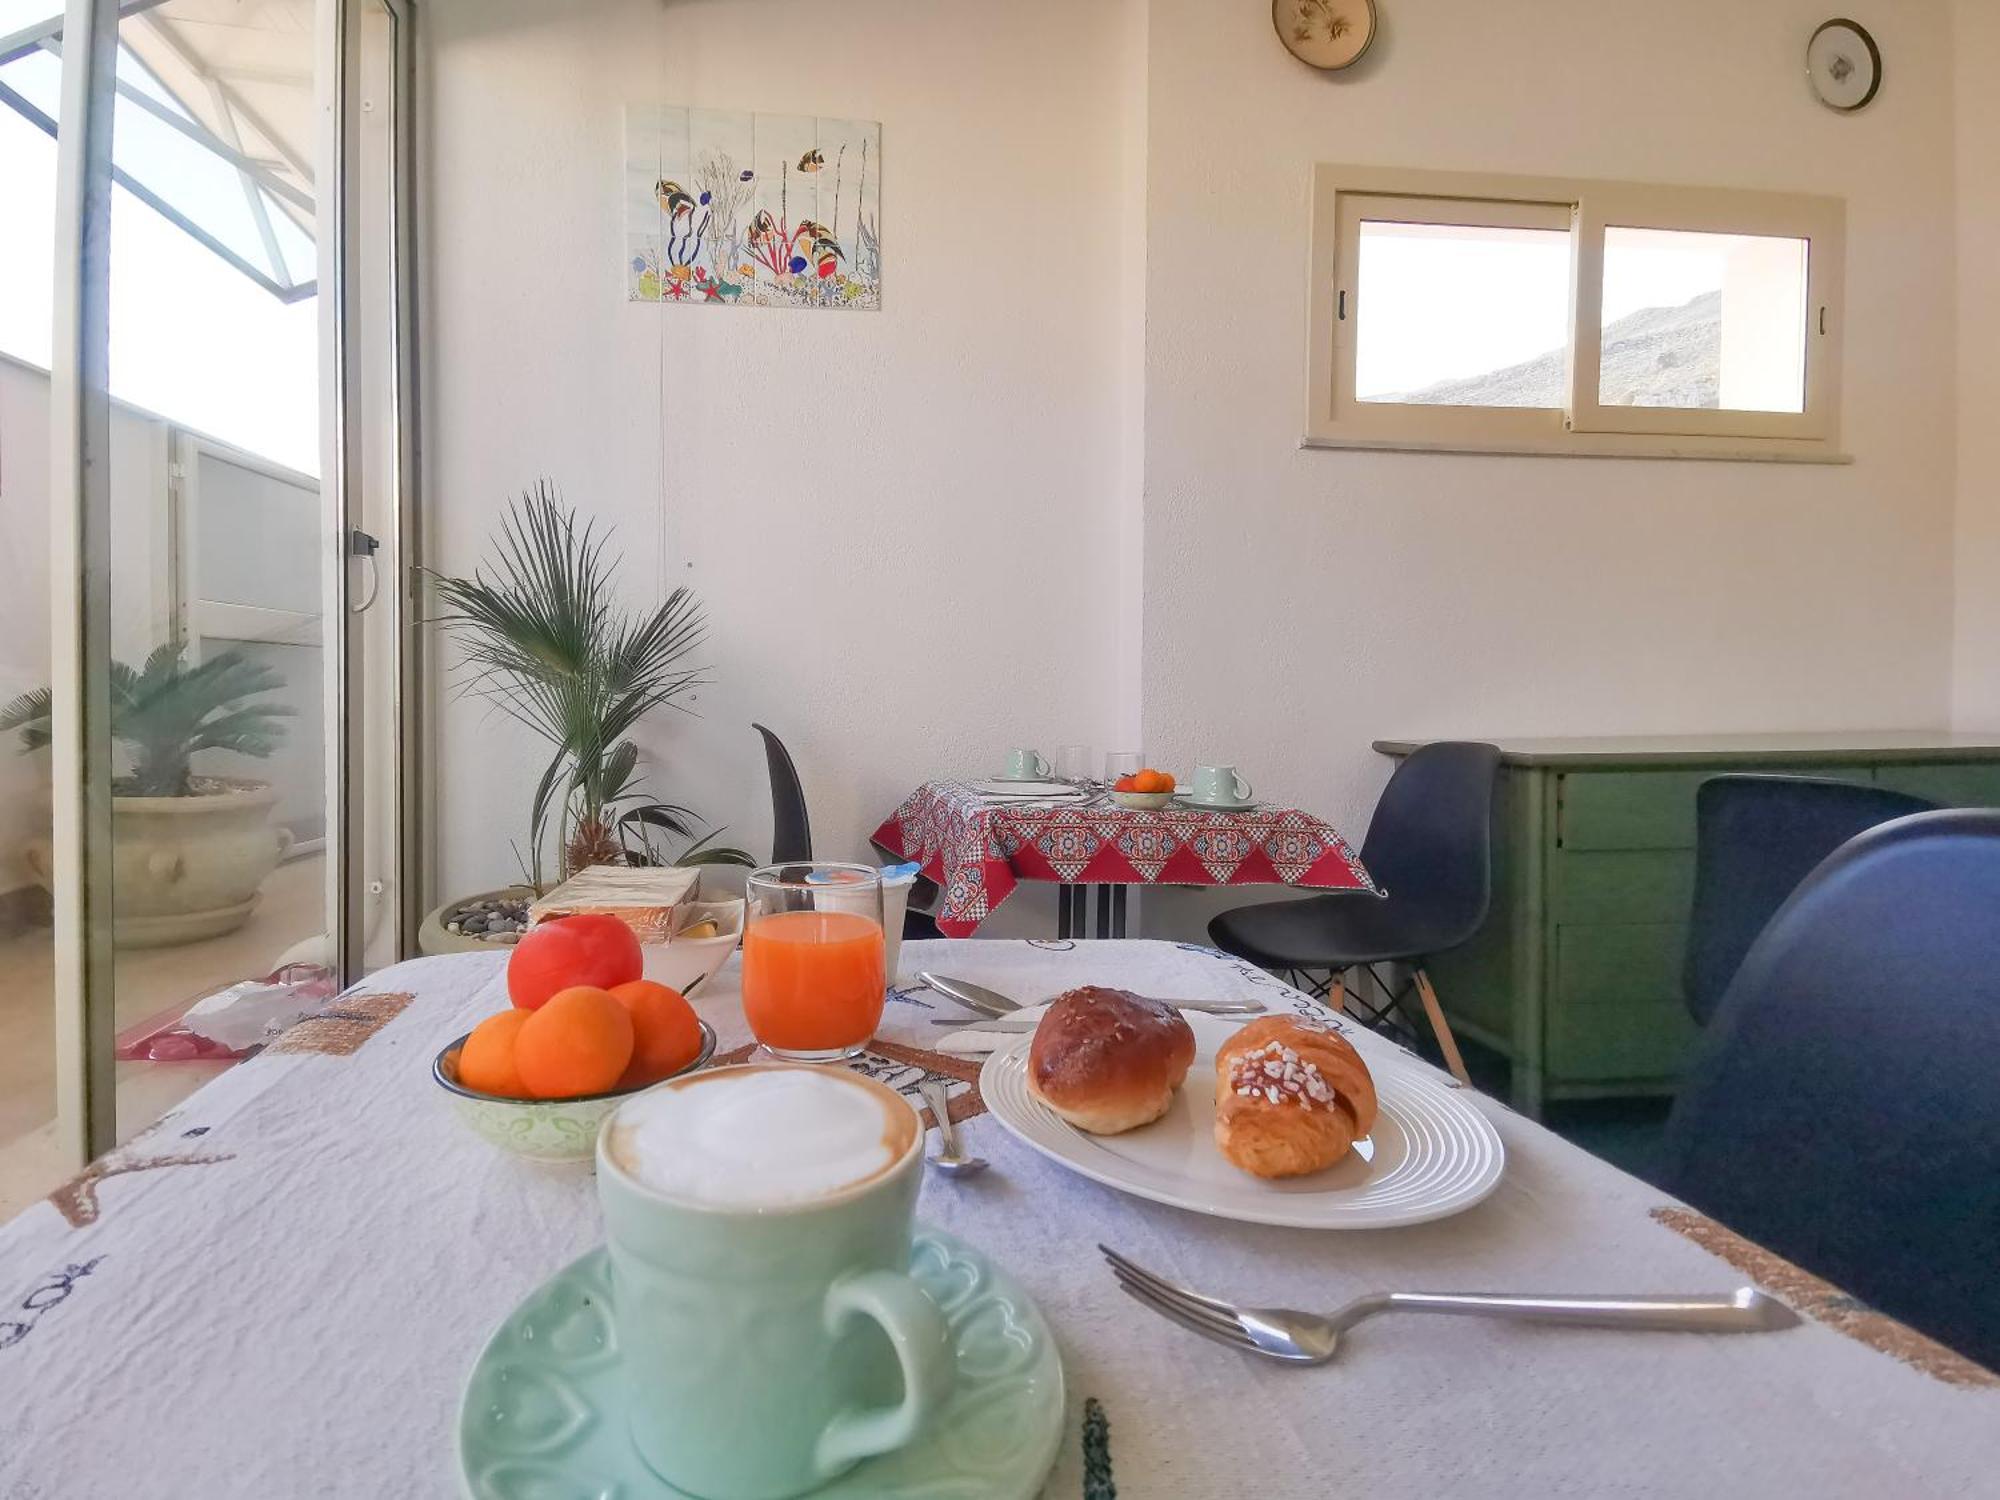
1144,791
585,1031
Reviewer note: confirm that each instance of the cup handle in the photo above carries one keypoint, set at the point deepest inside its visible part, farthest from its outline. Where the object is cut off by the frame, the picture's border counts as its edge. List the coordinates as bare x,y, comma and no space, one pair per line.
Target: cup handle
916,1329
1243,789
1042,767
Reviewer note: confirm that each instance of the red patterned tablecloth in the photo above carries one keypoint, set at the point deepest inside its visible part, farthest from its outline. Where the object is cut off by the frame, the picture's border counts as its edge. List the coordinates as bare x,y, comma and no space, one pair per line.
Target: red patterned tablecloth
978,851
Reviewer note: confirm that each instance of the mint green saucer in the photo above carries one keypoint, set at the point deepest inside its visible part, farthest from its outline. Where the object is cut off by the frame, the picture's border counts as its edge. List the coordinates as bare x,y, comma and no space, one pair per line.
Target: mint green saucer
543,1416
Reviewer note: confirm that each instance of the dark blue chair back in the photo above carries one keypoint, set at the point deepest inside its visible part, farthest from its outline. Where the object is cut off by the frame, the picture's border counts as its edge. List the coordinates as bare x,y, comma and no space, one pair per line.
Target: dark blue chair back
1430,841
1756,838
791,830
1843,1108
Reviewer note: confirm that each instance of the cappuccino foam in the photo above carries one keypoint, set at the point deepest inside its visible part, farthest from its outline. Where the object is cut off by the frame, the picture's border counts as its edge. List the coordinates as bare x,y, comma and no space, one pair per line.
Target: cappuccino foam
761,1137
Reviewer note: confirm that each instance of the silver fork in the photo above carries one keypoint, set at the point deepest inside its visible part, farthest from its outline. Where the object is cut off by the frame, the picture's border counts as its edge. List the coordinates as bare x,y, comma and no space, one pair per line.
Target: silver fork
1301,1338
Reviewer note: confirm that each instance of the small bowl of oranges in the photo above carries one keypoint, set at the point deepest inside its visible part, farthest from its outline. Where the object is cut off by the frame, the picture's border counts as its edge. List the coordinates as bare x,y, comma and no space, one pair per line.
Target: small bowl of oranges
585,1031
1144,791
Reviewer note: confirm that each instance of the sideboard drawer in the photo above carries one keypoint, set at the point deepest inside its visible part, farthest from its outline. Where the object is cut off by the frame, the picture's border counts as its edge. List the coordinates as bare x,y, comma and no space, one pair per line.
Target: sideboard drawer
1626,809
1620,963
1620,1043
1972,785
1655,809
1621,885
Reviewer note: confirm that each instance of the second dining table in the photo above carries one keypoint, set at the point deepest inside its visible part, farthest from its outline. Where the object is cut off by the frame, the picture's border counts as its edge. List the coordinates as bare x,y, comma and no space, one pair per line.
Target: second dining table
280,1289
978,847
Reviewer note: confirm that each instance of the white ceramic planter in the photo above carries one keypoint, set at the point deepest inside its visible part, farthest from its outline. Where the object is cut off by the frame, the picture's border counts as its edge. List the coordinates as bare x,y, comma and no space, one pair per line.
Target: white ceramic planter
186,868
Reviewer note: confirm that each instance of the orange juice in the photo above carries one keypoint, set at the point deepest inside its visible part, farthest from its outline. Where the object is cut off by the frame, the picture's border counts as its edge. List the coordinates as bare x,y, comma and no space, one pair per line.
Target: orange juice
812,980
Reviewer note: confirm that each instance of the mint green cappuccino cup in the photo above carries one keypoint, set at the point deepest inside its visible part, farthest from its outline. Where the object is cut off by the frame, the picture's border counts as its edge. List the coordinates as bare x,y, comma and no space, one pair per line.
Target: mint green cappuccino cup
769,1333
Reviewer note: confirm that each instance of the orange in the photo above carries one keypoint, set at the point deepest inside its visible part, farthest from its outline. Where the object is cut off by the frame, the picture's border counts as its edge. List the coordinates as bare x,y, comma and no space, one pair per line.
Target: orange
1167,782
578,1042
665,1033
1125,784
486,1061
1150,780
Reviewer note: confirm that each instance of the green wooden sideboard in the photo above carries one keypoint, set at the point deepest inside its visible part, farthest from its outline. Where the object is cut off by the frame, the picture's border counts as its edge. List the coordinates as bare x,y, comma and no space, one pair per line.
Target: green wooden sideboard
1576,976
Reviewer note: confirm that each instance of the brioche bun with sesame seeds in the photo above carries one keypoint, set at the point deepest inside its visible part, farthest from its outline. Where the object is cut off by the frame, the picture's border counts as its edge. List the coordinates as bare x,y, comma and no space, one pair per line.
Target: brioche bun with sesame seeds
1291,1096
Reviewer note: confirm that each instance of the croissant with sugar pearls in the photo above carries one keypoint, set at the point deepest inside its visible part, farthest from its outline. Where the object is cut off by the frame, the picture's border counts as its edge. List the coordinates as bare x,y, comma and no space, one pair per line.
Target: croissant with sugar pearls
1291,1096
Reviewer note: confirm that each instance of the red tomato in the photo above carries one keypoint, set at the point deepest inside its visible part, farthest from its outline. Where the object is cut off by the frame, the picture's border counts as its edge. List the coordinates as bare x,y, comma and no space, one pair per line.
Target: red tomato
589,949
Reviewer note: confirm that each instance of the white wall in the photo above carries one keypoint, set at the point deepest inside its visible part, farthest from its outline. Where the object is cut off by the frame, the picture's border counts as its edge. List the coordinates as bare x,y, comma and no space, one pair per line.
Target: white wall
900,521
1053,489
1300,604
1976,659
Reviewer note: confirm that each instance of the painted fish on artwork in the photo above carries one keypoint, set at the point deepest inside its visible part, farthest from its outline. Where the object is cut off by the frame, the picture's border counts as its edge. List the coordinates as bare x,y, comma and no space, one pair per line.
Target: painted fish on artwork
825,249
812,161
674,199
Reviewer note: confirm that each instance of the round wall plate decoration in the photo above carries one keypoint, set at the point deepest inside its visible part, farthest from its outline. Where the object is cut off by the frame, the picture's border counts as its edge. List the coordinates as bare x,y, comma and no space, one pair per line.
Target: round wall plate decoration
1844,64
1325,34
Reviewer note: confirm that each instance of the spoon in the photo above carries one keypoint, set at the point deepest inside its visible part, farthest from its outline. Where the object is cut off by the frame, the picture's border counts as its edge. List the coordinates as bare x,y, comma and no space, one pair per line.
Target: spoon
950,1160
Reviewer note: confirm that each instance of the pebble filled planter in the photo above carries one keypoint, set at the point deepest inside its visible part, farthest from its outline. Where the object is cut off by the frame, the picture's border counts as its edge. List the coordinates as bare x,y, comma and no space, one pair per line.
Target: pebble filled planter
483,923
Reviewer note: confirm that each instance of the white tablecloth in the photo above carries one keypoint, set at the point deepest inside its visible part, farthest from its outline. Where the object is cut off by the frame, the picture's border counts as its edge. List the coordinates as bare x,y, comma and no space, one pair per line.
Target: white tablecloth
279,1290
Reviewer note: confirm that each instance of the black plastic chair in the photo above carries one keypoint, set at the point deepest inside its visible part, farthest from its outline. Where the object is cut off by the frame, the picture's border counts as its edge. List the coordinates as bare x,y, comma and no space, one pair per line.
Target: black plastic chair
1430,849
1756,838
1841,1109
791,830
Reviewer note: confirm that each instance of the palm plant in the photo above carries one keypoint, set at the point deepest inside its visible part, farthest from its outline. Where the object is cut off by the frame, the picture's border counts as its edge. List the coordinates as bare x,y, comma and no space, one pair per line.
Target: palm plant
541,642
167,711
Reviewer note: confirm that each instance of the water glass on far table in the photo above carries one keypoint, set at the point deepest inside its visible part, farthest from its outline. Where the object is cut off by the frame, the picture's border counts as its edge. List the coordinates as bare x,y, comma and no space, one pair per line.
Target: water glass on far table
1122,763
1073,763
814,979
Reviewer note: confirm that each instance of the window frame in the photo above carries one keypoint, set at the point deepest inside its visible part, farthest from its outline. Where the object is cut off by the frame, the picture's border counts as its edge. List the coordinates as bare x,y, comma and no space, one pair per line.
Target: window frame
1343,196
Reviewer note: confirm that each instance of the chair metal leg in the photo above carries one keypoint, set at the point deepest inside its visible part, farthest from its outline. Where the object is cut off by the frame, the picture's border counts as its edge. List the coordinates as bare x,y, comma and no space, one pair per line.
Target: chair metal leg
1447,1043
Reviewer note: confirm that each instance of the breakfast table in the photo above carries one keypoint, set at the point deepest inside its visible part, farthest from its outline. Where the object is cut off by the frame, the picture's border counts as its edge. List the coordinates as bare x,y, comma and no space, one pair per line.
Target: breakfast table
978,848
279,1289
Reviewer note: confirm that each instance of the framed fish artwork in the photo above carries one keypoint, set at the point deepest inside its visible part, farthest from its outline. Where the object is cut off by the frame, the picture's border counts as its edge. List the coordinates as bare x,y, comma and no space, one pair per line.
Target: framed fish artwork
727,208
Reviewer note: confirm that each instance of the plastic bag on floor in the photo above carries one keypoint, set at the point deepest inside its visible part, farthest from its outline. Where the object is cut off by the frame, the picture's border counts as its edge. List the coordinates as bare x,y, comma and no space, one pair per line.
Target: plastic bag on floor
236,1021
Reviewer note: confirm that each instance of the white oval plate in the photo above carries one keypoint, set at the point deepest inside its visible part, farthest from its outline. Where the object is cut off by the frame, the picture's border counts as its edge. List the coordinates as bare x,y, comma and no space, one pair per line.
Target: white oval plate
1431,1154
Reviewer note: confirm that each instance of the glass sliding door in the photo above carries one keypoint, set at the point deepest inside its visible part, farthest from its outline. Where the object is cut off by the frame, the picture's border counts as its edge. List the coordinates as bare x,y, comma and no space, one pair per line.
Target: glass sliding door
218,650
212,867
32,1155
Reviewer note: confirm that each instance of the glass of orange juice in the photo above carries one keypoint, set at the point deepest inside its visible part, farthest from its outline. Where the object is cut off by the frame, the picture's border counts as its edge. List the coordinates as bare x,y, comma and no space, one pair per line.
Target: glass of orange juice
813,979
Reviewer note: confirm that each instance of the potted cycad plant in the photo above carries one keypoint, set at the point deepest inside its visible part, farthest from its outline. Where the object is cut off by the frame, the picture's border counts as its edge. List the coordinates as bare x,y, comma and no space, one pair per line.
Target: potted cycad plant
541,640
189,852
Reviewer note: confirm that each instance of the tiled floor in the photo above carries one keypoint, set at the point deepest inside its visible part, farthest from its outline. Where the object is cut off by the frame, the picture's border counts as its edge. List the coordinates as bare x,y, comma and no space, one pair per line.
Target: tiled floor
1628,1133
149,981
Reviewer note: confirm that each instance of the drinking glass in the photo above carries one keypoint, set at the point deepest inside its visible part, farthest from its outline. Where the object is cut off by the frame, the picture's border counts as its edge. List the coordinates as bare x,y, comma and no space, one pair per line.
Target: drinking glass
1121,763
1073,763
813,977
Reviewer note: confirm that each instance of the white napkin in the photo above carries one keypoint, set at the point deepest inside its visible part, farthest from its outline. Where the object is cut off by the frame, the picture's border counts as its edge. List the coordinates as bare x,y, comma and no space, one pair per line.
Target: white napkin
977,1042
1035,791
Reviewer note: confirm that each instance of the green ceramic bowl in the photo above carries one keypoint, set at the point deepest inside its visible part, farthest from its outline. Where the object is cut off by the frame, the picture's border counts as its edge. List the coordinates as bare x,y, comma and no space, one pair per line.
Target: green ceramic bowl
542,1129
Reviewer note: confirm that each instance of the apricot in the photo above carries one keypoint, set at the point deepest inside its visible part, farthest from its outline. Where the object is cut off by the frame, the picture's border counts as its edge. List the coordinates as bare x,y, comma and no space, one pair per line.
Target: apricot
578,1042
486,1061
665,1034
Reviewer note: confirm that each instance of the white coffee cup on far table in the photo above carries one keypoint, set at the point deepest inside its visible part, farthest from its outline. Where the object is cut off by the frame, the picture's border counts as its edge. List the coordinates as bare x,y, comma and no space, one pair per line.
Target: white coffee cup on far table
1218,785
1027,765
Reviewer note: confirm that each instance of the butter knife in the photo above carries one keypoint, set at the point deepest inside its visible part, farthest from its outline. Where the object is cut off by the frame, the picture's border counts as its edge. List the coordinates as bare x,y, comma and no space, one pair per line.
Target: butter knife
992,1003
971,996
